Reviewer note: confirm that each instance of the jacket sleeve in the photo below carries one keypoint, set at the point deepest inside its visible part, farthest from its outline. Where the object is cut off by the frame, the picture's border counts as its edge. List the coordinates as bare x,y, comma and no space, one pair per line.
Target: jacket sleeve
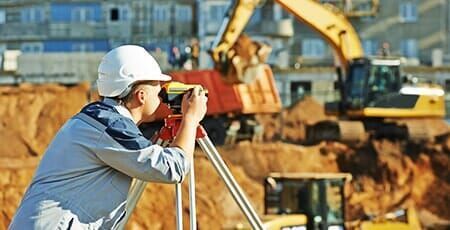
153,163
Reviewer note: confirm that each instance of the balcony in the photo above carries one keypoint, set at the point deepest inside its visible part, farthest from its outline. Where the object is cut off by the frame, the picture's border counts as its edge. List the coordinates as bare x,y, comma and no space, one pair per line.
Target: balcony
161,29
183,29
78,30
18,2
212,27
355,8
20,31
120,29
281,28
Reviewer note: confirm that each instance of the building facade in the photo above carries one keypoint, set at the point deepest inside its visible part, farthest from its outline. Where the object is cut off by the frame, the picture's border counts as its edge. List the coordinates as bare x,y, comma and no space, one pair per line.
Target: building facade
418,30
97,26
91,26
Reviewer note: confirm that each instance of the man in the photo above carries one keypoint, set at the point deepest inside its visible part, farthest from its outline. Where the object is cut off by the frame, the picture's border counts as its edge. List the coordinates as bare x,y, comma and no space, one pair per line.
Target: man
84,176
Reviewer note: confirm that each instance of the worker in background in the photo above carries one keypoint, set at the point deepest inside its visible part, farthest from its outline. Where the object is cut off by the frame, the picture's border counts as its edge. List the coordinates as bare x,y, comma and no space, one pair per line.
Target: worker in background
195,52
84,176
175,58
232,132
385,49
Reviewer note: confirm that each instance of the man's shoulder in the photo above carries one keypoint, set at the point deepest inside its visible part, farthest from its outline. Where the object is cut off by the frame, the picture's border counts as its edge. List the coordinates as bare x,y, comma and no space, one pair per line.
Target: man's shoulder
117,126
105,114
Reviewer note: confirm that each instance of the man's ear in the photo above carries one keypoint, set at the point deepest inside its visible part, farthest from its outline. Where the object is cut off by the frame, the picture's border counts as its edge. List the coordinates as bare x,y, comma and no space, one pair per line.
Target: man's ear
140,96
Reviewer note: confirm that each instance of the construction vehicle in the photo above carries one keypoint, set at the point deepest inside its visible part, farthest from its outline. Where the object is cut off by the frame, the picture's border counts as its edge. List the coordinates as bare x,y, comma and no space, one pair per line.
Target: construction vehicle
374,100
320,199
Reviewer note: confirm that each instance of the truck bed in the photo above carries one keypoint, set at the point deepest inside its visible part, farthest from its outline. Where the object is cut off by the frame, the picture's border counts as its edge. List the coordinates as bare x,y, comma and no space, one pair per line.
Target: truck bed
260,96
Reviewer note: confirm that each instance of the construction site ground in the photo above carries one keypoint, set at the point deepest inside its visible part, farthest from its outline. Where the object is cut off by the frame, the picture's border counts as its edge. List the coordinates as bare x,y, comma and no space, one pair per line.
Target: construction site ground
386,174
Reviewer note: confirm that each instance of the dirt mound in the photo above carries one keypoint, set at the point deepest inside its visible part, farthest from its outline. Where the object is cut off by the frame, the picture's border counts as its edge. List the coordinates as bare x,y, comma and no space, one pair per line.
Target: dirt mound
307,110
290,123
386,175
439,191
31,114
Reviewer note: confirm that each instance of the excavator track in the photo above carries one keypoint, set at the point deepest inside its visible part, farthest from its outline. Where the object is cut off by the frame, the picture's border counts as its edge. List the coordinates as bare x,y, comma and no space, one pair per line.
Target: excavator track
352,131
345,131
419,130
424,130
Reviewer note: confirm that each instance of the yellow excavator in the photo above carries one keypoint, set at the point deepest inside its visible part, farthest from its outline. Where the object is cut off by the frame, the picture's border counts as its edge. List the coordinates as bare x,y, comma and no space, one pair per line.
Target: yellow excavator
376,100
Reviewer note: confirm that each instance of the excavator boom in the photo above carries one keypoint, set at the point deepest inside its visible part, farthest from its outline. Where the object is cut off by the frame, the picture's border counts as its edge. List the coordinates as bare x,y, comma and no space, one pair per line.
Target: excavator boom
237,17
330,24
239,59
235,55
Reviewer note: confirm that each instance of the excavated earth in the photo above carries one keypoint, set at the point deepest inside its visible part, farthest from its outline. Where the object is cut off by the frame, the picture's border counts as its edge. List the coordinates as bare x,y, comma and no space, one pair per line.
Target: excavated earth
386,174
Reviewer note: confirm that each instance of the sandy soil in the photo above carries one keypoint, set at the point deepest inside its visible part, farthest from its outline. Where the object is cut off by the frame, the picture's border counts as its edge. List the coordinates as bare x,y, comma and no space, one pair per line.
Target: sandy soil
386,175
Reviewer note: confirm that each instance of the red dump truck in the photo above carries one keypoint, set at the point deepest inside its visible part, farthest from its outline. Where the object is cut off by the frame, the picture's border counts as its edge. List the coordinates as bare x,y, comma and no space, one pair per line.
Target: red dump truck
230,103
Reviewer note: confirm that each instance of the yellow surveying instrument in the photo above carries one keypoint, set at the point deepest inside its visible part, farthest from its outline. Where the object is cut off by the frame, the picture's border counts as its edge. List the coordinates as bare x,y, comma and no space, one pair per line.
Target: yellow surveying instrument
172,94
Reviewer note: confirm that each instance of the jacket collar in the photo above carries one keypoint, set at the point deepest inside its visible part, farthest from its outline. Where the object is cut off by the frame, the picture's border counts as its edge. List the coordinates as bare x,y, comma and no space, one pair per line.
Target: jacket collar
120,108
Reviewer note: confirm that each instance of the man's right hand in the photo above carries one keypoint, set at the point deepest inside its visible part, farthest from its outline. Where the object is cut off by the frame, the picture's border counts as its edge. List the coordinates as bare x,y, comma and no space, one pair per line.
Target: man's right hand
193,109
194,106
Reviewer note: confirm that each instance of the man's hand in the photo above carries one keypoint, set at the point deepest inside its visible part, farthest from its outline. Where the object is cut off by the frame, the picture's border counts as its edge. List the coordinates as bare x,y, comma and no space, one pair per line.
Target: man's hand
193,106
193,109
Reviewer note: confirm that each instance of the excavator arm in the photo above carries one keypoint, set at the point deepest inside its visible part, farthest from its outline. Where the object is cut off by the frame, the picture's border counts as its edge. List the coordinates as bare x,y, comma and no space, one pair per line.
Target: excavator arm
235,55
239,59
331,24
237,17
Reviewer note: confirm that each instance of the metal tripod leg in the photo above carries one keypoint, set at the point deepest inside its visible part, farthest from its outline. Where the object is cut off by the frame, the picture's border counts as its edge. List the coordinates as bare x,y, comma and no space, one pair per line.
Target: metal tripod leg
224,173
192,206
178,207
137,188
133,197
179,201
234,188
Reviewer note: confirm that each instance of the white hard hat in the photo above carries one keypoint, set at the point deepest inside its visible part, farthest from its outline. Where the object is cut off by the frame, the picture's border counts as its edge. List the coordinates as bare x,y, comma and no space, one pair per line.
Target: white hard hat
123,66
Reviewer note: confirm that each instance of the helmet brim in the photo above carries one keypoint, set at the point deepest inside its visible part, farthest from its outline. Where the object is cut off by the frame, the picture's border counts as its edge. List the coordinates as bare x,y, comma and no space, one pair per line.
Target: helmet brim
160,77
164,77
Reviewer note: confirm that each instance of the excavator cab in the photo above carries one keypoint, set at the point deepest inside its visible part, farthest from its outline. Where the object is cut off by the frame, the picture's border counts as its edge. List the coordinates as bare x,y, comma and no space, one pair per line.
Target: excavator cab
318,196
375,102
370,81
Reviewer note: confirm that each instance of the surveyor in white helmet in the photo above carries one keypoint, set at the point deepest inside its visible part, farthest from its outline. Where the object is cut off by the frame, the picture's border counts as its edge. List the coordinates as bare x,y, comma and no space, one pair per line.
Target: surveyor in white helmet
85,174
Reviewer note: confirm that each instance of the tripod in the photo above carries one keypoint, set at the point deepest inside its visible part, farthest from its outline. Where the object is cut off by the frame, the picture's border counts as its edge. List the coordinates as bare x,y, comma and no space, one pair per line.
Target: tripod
164,137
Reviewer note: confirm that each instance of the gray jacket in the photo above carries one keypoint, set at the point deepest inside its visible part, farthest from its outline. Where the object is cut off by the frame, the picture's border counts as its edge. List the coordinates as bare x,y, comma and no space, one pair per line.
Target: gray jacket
83,179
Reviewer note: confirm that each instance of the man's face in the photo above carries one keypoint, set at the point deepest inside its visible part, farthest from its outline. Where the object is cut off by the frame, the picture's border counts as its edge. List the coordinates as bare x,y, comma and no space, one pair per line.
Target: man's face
152,100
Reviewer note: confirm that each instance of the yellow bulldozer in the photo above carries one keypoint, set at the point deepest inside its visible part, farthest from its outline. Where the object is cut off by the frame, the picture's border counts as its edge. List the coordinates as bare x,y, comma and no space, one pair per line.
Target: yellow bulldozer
317,201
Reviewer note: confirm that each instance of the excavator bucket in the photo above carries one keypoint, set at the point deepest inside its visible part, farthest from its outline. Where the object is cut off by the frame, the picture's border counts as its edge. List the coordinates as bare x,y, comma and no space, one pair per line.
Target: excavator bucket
245,61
